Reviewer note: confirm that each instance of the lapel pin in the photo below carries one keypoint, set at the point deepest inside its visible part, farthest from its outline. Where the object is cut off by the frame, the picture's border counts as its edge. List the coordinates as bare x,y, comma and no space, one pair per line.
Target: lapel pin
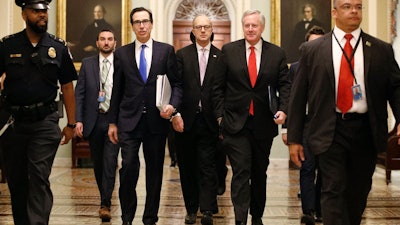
215,56
368,44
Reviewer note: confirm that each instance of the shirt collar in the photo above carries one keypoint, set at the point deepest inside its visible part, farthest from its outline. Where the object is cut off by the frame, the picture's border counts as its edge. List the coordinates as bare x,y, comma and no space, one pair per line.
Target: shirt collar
110,58
138,44
340,33
207,47
257,46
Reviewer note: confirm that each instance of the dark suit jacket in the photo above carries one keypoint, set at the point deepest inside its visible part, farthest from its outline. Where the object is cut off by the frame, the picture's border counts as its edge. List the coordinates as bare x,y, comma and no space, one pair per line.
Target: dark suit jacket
86,93
233,91
314,84
188,67
131,95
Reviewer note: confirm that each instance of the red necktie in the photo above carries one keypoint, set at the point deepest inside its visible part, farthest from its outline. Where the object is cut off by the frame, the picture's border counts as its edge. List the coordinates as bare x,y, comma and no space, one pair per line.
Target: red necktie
344,93
252,67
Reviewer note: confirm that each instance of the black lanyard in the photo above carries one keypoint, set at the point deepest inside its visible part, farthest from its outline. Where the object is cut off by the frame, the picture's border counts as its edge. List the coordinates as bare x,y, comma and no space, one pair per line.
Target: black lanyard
348,59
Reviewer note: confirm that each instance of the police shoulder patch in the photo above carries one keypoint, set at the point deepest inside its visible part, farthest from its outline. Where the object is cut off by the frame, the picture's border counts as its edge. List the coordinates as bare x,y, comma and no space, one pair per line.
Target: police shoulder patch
58,39
7,37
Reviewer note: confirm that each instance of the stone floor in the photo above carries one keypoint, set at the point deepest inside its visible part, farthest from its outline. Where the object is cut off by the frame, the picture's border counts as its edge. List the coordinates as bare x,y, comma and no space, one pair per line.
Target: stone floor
76,199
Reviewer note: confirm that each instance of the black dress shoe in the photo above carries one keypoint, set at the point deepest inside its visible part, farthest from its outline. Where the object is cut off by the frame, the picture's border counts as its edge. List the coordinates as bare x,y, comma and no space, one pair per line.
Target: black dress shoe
256,221
190,218
207,218
240,223
105,214
126,223
318,217
308,219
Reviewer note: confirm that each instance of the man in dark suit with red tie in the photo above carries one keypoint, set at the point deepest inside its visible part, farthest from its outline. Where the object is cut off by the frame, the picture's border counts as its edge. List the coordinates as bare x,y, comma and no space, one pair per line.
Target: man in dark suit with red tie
197,128
345,130
134,117
93,94
248,124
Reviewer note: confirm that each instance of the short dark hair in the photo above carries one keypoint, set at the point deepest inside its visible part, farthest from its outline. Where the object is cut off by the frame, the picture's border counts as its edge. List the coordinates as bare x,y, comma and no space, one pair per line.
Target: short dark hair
314,30
139,9
106,30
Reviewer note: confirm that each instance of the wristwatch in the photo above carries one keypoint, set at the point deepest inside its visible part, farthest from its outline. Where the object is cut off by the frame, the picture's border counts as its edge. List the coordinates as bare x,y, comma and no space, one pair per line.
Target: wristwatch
71,125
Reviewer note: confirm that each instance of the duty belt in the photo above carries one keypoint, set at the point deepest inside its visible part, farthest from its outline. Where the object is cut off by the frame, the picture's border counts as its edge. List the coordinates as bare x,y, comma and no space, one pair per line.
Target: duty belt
34,112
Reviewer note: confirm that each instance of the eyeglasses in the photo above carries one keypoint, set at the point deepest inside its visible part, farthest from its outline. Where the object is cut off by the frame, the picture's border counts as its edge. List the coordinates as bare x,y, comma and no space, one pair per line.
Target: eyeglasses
199,27
144,22
348,7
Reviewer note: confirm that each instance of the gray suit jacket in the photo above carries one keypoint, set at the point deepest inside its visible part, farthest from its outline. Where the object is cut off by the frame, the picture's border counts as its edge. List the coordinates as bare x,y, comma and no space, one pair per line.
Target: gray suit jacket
314,84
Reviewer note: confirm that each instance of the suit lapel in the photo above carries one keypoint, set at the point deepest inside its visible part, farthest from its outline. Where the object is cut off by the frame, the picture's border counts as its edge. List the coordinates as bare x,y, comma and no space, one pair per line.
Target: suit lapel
243,60
327,51
154,61
96,71
263,60
210,64
366,44
195,64
132,55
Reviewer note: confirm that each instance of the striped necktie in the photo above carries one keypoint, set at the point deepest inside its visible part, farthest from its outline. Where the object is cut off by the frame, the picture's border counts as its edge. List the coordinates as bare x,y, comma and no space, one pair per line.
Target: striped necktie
105,86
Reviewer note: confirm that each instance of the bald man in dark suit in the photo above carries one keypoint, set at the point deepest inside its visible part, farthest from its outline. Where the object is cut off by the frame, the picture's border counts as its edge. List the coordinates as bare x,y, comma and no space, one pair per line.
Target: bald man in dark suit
346,139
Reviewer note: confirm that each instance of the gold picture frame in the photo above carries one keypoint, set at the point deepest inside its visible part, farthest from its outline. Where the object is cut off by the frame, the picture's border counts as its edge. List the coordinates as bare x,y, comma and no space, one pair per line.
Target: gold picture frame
282,28
75,15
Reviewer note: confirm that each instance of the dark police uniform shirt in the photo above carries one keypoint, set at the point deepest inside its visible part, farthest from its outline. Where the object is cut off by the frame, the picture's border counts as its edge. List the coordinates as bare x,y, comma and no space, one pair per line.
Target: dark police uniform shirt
31,71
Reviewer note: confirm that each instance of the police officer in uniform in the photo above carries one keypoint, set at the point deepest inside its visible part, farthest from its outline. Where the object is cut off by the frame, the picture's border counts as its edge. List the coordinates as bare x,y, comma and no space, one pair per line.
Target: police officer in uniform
34,61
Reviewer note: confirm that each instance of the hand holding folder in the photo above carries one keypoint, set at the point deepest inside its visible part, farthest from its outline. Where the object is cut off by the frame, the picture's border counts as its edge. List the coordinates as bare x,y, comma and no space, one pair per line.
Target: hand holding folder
273,99
163,91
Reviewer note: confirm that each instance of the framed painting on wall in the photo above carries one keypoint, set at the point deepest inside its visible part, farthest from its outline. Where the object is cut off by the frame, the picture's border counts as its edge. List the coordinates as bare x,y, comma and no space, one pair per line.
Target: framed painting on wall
292,19
79,22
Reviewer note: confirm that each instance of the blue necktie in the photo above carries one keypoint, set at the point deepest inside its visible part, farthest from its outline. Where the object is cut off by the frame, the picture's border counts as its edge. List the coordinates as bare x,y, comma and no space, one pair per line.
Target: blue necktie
142,64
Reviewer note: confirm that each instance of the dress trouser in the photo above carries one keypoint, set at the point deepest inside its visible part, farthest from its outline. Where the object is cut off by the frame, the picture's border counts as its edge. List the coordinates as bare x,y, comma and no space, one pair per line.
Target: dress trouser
104,155
222,169
310,182
249,159
153,152
347,169
29,149
196,151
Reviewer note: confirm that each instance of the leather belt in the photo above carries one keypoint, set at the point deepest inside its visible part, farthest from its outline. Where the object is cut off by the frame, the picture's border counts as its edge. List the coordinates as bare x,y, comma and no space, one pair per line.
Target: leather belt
351,116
